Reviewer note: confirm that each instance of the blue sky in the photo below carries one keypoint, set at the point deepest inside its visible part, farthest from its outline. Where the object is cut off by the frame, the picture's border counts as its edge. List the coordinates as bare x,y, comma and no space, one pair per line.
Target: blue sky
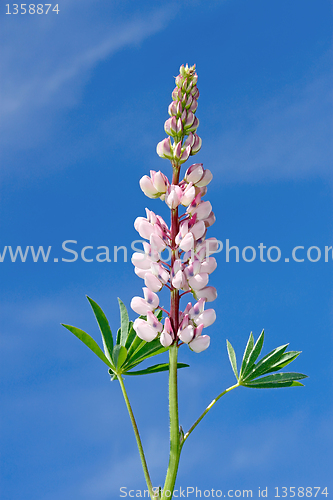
84,97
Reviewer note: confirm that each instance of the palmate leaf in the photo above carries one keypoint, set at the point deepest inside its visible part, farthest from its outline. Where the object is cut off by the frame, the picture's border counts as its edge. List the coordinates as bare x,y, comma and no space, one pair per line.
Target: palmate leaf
251,373
128,351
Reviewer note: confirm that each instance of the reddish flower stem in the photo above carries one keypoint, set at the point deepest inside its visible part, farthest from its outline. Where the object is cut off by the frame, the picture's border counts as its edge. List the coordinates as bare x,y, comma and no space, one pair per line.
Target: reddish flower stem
174,306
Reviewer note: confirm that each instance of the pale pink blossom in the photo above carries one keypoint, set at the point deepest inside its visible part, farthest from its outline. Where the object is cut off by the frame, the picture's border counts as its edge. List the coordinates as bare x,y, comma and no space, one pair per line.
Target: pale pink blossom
148,188
164,149
208,293
198,282
194,173
167,334
144,331
200,343
186,334
206,178
187,242
152,282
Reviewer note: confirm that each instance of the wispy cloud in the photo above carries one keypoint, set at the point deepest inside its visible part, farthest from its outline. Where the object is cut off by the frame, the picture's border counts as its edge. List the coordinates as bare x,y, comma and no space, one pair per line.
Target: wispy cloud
286,138
46,73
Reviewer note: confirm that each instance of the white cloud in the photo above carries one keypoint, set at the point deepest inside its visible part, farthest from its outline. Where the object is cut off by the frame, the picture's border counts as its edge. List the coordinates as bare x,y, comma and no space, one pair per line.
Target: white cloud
49,60
286,138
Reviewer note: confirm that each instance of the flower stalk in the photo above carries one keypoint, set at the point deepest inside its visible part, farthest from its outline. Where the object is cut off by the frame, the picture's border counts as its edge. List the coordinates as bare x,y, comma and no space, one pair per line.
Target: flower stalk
137,437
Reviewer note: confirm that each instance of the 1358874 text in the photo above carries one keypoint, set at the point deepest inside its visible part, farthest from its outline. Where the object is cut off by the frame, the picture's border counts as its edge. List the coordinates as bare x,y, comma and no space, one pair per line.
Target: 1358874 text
32,8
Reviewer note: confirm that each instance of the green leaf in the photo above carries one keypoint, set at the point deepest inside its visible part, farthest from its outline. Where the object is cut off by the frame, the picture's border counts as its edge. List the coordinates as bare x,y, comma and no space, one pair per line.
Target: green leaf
156,368
118,336
90,342
276,381
104,328
254,354
146,350
285,359
124,322
134,345
247,352
232,358
266,362
159,315
131,335
119,355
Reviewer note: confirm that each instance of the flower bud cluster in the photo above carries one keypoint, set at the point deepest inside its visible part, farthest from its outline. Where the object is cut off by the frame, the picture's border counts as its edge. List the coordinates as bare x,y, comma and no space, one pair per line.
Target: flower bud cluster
182,121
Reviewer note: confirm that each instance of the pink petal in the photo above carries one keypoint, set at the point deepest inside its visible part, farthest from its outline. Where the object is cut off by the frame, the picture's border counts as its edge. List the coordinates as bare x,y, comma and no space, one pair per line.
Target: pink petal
165,339
200,344
140,306
144,330
198,282
147,187
186,335
152,282
208,293
151,298
207,318
141,260
194,173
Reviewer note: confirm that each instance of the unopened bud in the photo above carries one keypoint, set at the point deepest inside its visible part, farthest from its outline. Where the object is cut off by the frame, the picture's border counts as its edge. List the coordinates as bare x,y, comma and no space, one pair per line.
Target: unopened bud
197,143
164,149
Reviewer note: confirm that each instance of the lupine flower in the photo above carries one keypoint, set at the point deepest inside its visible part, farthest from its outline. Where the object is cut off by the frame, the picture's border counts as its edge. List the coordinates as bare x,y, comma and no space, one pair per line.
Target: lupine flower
167,335
192,263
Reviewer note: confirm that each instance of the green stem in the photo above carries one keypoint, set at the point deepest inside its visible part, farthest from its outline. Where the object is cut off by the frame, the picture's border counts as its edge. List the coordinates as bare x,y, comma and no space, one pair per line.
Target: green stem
174,426
206,411
138,439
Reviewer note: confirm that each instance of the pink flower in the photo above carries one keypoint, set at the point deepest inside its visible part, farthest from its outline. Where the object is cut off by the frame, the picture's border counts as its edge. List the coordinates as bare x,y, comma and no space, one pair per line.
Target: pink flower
188,195
167,335
200,343
196,146
149,303
203,210
187,242
206,318
206,178
198,282
164,149
145,330
152,282
208,265
186,334
178,281
141,261
194,173
148,188
173,196
208,293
